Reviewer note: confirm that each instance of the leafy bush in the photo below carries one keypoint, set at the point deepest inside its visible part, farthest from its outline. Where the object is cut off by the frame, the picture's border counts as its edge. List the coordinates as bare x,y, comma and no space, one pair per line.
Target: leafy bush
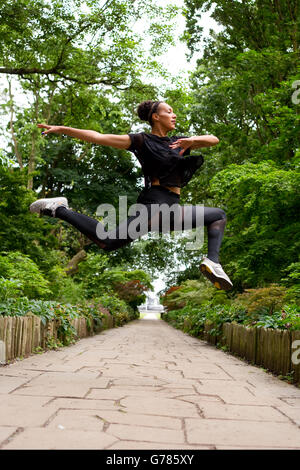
193,293
263,301
121,311
98,278
262,233
91,274
52,310
292,281
288,318
15,265
265,307
9,288
64,288
131,285
192,319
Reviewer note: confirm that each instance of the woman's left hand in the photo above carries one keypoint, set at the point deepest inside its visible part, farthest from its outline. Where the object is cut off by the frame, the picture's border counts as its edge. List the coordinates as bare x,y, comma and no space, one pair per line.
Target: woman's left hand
184,144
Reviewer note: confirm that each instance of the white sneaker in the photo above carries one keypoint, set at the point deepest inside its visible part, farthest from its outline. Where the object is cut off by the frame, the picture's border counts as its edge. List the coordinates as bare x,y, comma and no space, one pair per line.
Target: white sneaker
215,273
48,206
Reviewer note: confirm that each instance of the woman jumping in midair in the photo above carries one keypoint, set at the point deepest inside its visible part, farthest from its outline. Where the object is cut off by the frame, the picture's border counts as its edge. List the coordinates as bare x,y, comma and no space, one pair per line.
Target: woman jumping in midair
167,166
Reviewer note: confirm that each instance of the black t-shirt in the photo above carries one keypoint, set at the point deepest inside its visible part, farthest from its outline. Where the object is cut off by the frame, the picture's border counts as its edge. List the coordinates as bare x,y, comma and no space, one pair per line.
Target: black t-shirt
160,161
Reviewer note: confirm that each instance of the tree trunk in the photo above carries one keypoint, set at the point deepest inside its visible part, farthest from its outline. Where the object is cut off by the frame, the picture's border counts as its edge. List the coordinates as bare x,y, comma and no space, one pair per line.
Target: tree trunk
13,135
72,266
34,142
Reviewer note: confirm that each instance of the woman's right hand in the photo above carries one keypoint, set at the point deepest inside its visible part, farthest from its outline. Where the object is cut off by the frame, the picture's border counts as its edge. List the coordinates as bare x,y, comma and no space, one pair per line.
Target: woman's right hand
50,129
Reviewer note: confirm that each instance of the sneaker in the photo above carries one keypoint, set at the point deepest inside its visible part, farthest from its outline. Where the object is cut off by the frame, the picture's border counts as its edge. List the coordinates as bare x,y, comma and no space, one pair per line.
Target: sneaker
215,273
48,206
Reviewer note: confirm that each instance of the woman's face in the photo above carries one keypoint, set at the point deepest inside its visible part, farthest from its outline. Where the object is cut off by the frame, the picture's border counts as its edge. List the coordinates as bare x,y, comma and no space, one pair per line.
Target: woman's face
164,117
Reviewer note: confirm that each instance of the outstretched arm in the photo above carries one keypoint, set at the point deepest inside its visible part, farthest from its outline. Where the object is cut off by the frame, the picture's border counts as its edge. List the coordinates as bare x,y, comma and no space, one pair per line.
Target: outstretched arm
195,142
111,140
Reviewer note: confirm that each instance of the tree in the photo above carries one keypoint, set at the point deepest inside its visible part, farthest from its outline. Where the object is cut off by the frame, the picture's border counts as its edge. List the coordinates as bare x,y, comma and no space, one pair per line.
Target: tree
58,48
262,233
16,266
242,93
87,43
243,82
79,65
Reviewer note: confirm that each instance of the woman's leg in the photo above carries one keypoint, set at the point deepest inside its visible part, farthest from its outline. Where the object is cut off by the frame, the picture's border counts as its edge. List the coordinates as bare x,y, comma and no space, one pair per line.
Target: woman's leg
214,219
83,223
115,239
135,226
128,230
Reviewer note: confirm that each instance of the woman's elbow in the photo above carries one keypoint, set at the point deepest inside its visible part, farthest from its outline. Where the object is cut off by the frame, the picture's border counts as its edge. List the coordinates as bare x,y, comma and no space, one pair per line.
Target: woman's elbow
214,140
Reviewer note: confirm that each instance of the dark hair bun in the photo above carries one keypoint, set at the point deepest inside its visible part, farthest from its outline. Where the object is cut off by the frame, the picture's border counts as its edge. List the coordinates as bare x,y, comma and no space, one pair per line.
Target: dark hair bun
144,109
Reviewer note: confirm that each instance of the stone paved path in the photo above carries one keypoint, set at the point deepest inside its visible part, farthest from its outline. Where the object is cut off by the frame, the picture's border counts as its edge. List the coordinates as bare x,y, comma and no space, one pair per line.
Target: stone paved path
144,386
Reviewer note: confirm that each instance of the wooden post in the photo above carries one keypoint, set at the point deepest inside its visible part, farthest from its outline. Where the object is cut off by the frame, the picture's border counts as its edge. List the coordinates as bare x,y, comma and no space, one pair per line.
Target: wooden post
8,337
36,333
2,343
2,352
17,335
250,344
24,336
29,321
212,339
2,327
227,335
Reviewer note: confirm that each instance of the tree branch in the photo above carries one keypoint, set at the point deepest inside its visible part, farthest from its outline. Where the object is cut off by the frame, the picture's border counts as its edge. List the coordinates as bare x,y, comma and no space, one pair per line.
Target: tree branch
23,72
72,266
14,139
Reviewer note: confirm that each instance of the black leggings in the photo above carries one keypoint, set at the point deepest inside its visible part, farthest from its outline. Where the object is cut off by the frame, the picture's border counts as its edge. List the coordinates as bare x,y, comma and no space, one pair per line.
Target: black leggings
187,217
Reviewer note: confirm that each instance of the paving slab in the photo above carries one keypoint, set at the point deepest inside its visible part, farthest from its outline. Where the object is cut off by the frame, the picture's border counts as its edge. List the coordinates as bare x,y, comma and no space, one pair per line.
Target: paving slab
255,434
62,439
145,385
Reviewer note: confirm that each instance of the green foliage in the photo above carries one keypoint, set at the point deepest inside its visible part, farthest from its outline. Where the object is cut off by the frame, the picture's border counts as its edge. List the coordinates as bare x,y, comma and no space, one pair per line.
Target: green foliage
91,45
5,162
121,311
65,288
293,273
262,204
287,318
15,265
93,311
10,288
97,277
242,92
264,301
292,281
21,230
192,293
82,66
189,308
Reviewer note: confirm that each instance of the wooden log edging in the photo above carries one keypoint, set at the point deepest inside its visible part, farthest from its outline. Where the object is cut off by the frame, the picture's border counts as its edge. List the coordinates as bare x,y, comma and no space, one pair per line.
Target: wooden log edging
22,336
276,350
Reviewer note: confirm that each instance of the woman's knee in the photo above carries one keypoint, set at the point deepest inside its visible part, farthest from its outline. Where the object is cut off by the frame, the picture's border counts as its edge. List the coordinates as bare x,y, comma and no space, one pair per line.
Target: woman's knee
114,244
213,214
221,214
